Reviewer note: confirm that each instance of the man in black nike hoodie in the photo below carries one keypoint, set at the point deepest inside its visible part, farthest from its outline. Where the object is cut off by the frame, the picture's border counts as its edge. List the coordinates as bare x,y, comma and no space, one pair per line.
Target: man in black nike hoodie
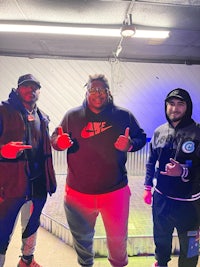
174,163
99,135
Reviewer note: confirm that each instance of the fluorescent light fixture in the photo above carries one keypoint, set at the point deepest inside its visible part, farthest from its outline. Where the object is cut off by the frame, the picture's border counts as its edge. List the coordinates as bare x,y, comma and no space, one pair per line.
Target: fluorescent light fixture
59,30
87,31
151,34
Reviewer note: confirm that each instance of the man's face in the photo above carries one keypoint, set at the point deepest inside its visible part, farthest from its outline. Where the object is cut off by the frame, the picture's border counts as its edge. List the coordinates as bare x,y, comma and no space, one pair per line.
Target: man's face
176,109
28,92
97,96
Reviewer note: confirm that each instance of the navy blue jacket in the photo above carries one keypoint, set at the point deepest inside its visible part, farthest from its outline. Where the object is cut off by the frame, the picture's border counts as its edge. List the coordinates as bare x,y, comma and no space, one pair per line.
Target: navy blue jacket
183,144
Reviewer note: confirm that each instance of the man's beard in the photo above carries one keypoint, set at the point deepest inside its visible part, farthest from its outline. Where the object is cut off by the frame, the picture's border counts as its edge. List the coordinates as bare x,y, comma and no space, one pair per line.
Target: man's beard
175,119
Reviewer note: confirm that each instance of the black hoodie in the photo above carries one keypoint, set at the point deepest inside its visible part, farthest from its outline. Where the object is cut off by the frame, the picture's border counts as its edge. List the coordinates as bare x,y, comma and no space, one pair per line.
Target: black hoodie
181,143
95,166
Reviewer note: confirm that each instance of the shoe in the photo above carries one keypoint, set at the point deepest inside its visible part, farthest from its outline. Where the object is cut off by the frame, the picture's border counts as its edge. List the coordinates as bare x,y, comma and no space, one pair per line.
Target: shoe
32,264
155,264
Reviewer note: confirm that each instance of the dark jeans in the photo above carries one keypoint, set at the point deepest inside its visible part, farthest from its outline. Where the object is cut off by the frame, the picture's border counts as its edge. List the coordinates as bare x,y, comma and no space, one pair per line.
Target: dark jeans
9,210
169,214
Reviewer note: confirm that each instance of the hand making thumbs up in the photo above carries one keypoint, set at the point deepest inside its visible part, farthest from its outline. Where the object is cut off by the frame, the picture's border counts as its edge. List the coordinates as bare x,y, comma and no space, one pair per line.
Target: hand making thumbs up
63,139
123,142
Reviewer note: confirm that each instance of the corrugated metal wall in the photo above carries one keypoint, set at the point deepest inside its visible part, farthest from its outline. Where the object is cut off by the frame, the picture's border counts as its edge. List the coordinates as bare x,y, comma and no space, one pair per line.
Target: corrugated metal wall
140,87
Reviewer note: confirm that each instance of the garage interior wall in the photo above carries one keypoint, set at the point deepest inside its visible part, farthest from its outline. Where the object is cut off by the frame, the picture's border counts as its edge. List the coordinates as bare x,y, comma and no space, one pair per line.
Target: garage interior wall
139,87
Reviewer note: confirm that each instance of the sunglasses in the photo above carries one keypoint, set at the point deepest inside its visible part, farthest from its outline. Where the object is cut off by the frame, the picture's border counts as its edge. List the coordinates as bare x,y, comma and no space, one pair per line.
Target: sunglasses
100,90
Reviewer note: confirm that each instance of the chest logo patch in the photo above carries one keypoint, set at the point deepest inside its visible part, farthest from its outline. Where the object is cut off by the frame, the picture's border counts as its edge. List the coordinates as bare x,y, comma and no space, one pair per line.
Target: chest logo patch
188,147
94,128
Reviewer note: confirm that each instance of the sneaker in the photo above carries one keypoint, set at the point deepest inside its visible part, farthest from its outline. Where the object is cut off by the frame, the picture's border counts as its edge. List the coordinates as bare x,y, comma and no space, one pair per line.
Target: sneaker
32,264
155,264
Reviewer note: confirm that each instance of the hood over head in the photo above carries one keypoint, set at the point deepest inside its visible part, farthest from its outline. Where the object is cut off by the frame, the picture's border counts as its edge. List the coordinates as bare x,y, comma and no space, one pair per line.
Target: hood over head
182,94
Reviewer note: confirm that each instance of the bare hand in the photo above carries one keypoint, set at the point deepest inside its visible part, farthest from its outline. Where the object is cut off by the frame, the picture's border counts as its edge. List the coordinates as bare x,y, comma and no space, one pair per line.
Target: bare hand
173,168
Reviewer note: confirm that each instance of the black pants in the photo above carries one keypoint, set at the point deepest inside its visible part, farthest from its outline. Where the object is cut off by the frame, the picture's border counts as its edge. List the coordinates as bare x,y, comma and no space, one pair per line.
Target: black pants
169,214
9,210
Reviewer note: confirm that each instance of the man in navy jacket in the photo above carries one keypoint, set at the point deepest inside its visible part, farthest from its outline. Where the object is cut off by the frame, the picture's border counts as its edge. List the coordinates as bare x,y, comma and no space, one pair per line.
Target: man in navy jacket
174,163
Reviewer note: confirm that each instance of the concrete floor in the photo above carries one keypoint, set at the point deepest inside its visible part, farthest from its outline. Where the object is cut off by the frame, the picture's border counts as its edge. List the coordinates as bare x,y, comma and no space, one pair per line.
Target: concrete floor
52,252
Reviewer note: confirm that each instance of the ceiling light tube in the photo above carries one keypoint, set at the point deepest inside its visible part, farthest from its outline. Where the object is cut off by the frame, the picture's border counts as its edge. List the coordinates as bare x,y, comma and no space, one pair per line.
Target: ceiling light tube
151,34
87,31
59,30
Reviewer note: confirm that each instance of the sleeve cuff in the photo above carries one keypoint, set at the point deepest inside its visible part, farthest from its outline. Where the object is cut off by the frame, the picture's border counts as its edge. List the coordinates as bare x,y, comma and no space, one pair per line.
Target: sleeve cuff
130,148
147,187
184,174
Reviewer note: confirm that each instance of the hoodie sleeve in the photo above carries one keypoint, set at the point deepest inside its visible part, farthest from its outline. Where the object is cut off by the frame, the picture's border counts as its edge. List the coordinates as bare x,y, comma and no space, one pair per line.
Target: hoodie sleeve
1,126
150,165
137,135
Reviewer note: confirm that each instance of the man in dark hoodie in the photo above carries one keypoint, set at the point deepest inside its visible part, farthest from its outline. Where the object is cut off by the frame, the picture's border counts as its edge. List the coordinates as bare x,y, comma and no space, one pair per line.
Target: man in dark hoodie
98,135
26,169
174,162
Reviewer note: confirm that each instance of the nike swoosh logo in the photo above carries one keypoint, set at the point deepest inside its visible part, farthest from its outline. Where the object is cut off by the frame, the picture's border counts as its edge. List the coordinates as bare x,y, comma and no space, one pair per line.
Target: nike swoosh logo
94,128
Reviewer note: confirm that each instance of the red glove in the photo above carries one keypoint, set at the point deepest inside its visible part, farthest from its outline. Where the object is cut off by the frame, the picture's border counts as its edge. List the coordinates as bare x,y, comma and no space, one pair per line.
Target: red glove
12,149
123,142
147,196
63,139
